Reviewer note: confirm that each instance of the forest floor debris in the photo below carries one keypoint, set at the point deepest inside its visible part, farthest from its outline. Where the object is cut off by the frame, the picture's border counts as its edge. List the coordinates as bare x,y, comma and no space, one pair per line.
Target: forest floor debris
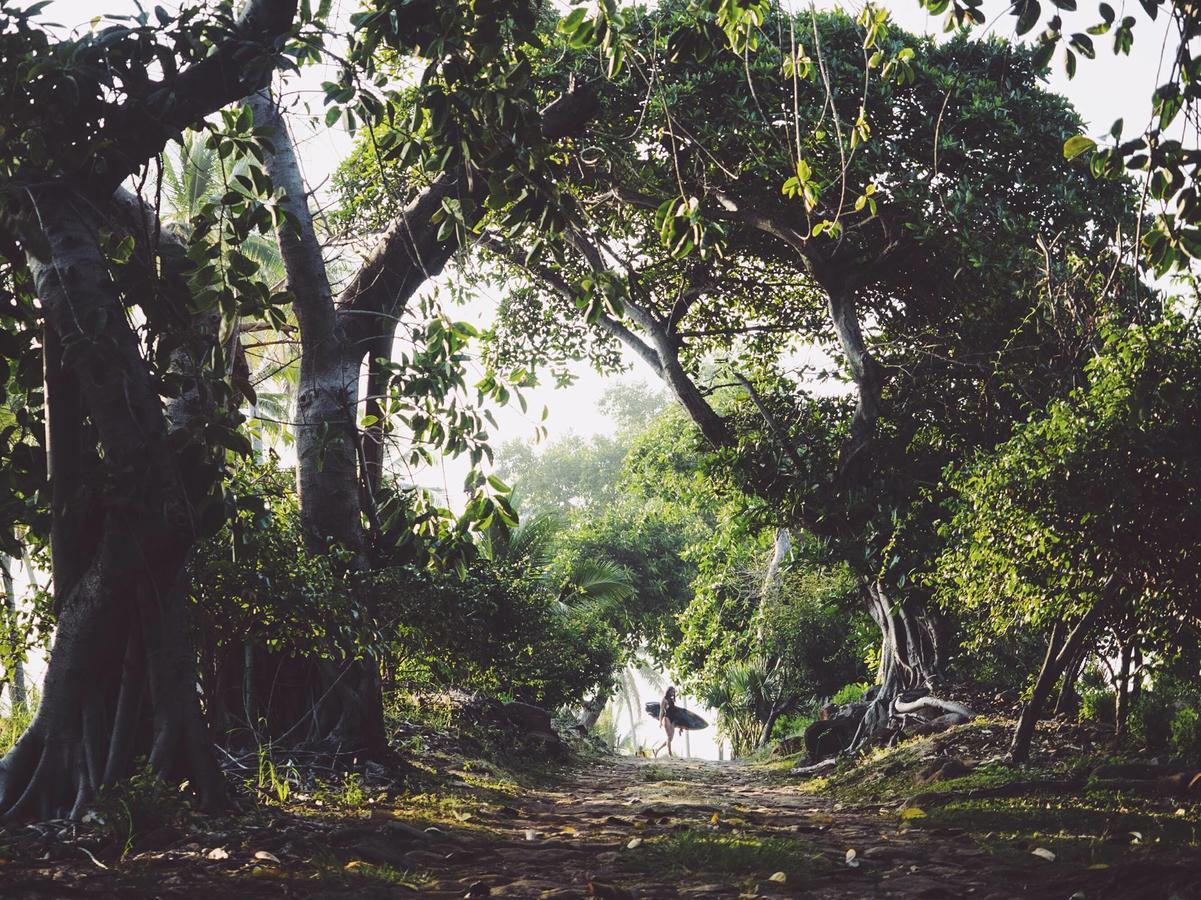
627,827
481,812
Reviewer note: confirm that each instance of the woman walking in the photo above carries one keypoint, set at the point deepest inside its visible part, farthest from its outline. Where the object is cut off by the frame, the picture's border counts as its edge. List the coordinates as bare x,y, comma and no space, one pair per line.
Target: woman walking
666,709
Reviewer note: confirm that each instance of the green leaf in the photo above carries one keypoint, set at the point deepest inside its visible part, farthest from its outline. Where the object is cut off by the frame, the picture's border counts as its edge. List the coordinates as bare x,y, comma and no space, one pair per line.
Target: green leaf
1028,12
1076,145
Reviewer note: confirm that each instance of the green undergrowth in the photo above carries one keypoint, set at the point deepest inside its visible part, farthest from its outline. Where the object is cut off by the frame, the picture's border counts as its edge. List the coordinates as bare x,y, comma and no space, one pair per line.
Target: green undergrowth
1010,811
688,853
888,774
15,721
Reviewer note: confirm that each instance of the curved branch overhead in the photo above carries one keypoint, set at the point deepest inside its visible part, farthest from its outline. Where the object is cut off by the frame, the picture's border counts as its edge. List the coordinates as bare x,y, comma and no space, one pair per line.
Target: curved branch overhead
139,128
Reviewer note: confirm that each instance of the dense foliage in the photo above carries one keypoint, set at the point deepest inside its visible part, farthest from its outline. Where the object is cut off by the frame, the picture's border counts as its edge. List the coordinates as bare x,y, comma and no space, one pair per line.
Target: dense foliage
924,417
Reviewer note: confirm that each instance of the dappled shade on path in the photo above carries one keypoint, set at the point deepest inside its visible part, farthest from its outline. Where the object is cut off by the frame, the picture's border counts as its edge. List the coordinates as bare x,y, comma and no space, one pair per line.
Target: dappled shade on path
611,828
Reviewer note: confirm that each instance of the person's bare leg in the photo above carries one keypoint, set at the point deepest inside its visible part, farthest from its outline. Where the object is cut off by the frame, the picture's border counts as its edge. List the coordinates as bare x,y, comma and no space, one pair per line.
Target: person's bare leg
671,730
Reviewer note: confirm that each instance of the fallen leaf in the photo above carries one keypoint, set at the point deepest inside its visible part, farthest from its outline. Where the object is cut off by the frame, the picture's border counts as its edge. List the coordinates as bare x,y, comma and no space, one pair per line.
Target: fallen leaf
852,861
531,834
217,853
1137,835
713,819
779,878
354,864
913,812
1043,853
267,857
608,891
634,843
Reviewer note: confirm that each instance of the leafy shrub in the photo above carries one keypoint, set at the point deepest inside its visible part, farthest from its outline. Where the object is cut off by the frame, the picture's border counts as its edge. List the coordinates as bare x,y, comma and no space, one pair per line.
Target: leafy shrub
1166,718
495,630
850,693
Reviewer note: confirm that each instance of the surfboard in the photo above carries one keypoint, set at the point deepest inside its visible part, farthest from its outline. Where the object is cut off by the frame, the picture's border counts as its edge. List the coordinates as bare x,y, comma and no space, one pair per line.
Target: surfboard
680,717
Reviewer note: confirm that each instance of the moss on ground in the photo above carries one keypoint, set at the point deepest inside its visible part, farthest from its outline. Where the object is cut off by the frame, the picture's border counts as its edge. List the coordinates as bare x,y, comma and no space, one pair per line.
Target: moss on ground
694,853
666,773
1011,811
1095,828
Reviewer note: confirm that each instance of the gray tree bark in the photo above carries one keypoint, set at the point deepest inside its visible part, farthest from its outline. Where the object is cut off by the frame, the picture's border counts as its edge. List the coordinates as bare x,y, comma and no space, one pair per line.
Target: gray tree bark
121,679
336,337
16,685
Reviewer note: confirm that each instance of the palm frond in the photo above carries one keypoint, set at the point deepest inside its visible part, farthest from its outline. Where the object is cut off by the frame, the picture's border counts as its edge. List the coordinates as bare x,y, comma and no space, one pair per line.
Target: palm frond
600,581
530,542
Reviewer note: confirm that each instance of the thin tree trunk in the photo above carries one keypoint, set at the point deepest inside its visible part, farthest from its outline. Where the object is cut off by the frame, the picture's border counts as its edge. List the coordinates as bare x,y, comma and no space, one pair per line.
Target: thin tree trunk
1060,650
16,684
631,697
1068,700
1122,690
777,709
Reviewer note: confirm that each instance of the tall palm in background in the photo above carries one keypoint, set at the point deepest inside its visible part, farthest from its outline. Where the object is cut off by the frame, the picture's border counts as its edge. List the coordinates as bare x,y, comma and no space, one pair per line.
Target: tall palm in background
195,175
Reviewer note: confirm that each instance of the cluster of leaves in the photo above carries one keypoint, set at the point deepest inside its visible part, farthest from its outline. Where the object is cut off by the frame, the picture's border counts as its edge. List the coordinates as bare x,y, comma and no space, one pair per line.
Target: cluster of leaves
496,626
1092,503
498,629
474,112
254,581
1169,163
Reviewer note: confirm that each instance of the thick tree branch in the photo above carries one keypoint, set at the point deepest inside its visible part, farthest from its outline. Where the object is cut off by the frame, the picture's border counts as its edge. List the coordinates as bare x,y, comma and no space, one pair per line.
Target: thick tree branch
298,244
241,64
772,423
411,252
560,286
867,374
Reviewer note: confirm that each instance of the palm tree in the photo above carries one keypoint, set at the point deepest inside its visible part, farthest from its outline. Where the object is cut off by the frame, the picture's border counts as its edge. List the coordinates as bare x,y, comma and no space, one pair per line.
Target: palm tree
530,543
195,175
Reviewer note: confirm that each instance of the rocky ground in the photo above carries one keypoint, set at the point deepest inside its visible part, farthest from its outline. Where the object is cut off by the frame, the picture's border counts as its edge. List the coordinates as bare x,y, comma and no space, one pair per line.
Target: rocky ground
620,828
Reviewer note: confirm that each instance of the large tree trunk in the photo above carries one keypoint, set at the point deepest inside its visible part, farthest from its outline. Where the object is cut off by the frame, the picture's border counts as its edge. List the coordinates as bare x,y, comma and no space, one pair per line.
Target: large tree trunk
334,704
909,655
121,682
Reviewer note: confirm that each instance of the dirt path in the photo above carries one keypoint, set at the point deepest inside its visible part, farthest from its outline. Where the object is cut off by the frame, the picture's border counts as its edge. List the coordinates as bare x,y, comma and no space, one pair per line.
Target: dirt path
613,828
649,829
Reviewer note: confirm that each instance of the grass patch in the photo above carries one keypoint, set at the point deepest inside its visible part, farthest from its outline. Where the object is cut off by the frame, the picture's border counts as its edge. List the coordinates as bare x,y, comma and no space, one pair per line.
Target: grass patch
13,725
692,852
666,773
328,869
1097,827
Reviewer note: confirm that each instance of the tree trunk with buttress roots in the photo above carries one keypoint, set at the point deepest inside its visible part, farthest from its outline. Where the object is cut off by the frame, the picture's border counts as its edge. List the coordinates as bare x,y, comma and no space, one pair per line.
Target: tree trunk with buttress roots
121,679
336,473
910,654
331,704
